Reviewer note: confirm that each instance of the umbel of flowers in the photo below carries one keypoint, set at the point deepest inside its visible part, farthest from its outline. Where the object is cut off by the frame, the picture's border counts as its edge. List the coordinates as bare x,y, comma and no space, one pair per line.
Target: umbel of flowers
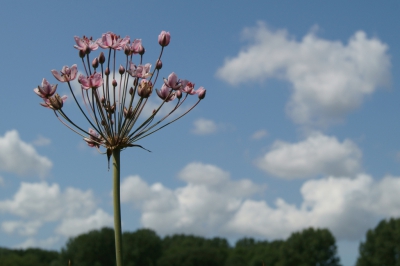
113,98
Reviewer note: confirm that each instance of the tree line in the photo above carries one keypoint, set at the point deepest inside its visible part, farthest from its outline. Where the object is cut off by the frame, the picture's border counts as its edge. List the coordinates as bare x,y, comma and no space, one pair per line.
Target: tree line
316,247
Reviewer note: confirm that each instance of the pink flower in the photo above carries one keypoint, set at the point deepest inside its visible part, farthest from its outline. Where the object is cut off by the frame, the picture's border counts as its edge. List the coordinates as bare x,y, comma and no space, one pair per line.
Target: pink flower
46,90
172,82
67,74
111,40
137,47
84,44
94,81
140,71
94,139
201,92
164,38
165,93
188,87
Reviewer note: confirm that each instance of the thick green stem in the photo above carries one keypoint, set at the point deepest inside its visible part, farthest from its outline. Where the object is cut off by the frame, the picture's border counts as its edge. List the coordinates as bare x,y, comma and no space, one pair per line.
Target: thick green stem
117,206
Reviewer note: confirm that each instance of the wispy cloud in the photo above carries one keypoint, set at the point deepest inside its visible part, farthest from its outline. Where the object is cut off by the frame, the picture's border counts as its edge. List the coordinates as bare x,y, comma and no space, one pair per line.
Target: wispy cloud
204,126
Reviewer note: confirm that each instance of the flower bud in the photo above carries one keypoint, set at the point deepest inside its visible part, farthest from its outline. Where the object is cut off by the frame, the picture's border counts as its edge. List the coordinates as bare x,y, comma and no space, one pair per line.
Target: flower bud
135,82
158,64
107,71
95,63
114,83
102,58
201,92
121,70
128,114
164,38
102,100
178,94
127,49
131,91
82,53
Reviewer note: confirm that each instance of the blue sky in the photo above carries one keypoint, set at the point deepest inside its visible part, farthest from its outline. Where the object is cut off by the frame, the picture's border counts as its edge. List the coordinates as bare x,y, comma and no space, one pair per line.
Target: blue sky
299,127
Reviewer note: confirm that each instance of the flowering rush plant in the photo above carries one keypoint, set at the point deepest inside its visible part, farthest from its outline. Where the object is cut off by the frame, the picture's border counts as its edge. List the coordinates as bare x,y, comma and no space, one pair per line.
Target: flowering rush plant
114,98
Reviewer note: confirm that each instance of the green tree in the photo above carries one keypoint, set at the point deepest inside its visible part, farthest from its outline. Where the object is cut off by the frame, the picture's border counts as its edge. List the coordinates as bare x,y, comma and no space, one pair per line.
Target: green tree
95,248
193,251
382,245
310,247
27,257
142,247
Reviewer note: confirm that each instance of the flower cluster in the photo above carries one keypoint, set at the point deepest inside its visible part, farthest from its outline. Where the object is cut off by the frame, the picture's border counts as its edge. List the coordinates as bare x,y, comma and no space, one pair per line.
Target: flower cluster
114,98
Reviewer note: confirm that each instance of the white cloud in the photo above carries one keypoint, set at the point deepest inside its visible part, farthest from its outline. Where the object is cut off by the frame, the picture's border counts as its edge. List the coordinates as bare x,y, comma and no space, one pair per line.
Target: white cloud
28,228
75,226
204,127
39,203
21,158
47,243
348,207
316,155
203,206
210,203
41,141
259,134
329,78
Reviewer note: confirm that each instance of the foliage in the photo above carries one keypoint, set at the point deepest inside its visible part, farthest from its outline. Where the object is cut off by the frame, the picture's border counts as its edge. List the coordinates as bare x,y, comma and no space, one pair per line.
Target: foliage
193,251
28,257
382,245
310,247
142,247
145,247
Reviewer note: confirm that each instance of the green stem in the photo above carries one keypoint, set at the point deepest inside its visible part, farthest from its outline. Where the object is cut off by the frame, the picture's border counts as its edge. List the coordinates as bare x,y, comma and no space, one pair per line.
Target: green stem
117,206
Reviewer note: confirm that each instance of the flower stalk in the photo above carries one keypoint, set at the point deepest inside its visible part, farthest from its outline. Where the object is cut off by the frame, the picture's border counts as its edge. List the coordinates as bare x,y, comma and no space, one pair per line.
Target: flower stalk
117,206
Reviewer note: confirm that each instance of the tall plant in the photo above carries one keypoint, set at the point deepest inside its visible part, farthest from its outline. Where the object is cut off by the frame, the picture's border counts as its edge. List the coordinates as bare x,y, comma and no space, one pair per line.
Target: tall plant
114,98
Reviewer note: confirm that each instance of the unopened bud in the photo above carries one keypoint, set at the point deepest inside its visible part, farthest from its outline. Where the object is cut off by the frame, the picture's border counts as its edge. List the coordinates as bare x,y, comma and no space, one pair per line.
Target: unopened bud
102,100
121,70
107,71
102,58
114,83
82,54
178,94
135,82
202,93
95,63
127,49
158,64
131,91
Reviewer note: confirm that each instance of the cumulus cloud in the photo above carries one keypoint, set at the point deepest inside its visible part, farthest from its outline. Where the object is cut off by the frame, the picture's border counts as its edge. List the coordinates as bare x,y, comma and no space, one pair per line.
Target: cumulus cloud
203,206
31,242
317,155
329,78
348,207
75,226
211,203
259,134
204,127
39,203
21,158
